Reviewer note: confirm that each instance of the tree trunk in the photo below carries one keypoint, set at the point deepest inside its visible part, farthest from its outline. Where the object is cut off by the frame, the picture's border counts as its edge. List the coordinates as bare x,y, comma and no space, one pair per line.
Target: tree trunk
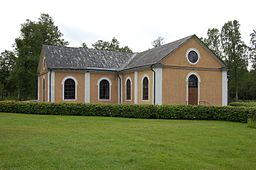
236,94
236,84
18,93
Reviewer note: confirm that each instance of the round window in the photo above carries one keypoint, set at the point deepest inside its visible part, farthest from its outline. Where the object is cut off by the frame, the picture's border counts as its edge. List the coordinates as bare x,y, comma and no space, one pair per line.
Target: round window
193,56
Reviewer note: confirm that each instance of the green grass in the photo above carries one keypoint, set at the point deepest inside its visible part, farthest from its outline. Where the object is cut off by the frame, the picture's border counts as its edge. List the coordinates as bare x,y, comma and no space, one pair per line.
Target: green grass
76,142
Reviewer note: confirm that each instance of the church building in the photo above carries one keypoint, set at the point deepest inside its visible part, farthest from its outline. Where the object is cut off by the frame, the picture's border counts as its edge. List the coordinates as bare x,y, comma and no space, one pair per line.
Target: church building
181,72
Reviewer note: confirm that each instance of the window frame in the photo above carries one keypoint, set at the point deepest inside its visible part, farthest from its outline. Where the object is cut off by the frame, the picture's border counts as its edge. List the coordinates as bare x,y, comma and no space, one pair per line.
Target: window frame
128,78
197,52
145,76
198,85
110,85
63,88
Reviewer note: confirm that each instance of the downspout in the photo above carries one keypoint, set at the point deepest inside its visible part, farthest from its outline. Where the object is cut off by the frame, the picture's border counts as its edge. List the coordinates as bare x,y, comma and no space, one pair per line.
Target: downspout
120,88
154,75
50,88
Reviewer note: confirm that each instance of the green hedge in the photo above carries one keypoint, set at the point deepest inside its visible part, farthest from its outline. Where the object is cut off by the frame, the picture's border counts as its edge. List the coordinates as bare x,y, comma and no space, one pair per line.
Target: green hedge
252,121
238,114
244,103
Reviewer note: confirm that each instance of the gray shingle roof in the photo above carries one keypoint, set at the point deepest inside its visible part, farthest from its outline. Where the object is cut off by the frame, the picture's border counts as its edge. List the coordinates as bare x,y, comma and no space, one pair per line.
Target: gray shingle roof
60,57
155,55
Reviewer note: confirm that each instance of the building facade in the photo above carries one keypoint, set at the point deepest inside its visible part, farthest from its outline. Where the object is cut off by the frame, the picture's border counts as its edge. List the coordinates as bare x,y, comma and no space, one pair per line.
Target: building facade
181,72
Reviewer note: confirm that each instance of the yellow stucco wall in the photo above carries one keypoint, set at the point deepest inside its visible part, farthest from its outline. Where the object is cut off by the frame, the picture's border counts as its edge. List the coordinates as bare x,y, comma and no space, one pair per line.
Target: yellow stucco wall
175,86
43,74
141,74
95,76
60,76
178,57
124,78
174,80
41,77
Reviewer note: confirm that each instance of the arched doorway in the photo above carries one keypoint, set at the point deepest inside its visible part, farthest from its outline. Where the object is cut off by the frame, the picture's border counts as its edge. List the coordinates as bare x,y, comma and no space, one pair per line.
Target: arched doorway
193,90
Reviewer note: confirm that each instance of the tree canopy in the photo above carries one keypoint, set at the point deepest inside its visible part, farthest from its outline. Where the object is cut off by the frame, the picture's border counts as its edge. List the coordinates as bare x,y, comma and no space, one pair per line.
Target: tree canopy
158,42
228,45
113,45
33,34
7,63
253,49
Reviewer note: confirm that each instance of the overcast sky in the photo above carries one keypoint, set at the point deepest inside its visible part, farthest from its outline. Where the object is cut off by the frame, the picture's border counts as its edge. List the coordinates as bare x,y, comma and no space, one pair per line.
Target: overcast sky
135,23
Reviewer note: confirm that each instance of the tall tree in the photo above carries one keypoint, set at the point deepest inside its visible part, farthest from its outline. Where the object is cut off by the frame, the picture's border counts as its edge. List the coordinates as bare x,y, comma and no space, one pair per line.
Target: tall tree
28,46
113,45
253,49
213,41
7,62
84,45
158,42
235,54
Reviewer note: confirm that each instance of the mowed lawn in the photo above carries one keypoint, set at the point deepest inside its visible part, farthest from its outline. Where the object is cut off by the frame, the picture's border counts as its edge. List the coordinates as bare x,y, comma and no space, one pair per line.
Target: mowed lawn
76,142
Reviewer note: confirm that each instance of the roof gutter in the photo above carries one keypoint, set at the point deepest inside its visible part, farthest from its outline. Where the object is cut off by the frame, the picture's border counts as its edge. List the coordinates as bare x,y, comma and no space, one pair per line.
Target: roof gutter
120,89
154,77
50,83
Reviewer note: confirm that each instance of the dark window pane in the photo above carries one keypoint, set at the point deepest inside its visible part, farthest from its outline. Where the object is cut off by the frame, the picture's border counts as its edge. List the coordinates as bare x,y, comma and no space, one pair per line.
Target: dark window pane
192,56
145,89
69,89
192,81
128,90
104,89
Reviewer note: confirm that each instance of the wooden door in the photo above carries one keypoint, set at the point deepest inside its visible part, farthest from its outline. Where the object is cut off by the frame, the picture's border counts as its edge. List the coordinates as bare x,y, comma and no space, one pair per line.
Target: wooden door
193,95
193,90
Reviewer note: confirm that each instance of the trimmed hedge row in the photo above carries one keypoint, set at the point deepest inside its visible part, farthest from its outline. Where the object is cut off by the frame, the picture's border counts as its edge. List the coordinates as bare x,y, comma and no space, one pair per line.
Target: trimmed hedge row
238,114
252,122
245,104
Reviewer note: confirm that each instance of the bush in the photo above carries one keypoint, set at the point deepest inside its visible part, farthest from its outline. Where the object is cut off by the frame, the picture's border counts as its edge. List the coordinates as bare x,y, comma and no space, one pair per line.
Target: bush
229,113
244,103
252,121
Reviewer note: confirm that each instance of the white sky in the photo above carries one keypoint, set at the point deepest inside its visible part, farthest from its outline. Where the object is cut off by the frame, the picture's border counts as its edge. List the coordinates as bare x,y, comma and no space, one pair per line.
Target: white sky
135,23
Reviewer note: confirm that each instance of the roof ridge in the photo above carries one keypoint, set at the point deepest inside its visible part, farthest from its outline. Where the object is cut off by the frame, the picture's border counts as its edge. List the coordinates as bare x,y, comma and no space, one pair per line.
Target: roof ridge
156,54
125,64
168,43
91,49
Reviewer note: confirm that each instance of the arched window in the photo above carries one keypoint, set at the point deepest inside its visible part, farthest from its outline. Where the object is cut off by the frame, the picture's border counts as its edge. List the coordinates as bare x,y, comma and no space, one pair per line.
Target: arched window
128,89
104,89
193,94
192,81
145,88
69,89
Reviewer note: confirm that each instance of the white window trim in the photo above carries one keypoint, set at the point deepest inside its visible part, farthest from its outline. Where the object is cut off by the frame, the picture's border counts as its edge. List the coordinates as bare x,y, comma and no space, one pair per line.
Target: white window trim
141,83
159,85
52,86
198,54
135,87
48,87
76,82
44,87
98,84
224,88
128,78
87,83
198,89
38,88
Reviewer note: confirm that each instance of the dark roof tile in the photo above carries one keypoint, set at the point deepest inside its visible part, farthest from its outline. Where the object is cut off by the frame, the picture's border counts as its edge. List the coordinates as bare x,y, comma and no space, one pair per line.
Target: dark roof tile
61,57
